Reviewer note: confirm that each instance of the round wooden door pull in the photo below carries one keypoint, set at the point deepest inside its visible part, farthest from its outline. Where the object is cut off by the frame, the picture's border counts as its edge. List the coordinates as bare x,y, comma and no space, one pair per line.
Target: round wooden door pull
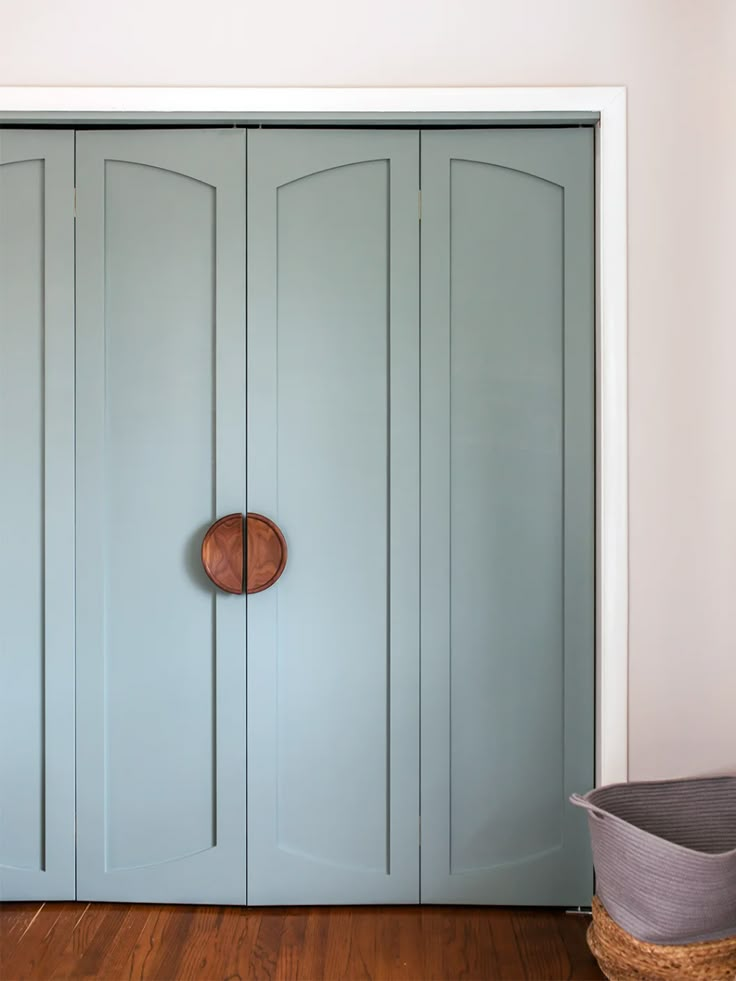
244,553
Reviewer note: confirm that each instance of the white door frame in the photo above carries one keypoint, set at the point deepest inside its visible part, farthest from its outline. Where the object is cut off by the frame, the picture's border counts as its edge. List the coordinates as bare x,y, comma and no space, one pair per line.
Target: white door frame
612,588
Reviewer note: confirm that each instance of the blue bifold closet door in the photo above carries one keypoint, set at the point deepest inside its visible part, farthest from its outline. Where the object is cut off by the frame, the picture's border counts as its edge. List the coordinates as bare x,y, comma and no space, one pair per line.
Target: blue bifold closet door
37,515
412,401
333,457
507,514
160,454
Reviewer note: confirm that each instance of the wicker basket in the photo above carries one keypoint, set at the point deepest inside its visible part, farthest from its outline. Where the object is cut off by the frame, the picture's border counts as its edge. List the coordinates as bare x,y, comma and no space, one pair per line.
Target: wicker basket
622,957
665,857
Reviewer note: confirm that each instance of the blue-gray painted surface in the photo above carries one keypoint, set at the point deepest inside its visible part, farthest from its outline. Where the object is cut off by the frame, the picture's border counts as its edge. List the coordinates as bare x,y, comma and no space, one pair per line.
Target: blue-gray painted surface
160,454
37,515
507,515
333,457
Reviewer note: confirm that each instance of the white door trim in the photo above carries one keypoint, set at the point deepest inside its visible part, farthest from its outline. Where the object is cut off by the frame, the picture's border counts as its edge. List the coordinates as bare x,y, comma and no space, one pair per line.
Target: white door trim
611,292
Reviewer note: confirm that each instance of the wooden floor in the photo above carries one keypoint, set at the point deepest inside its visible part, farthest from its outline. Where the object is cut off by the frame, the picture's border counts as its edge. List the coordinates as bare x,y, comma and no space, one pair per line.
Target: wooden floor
213,943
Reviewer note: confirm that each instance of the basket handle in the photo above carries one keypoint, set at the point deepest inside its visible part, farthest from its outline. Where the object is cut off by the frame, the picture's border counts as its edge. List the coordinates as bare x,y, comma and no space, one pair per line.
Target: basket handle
594,811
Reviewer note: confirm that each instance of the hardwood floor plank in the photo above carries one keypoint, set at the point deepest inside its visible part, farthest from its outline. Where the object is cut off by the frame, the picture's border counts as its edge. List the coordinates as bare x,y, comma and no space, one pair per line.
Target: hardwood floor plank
111,923
442,944
572,928
413,945
195,957
312,955
388,956
431,939
176,925
14,918
227,954
339,940
465,955
368,929
122,942
32,944
400,952
292,946
138,965
88,920
265,951
490,959
508,960
55,942
120,949
540,945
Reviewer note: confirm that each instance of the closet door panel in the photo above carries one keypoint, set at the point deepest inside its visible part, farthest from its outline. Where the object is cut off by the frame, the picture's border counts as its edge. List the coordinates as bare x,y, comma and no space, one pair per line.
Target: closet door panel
333,458
508,514
161,454
37,515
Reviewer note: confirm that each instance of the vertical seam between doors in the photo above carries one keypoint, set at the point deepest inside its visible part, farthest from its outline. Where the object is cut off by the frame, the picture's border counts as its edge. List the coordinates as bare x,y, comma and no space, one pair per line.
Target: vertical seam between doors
74,507
419,502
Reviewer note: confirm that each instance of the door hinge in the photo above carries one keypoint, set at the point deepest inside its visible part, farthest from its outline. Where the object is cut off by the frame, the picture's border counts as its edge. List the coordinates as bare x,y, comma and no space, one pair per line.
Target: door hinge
420,205
75,202
420,831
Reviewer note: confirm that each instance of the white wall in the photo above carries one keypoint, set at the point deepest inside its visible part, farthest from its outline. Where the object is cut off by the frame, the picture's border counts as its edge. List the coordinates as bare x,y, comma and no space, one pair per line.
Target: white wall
678,59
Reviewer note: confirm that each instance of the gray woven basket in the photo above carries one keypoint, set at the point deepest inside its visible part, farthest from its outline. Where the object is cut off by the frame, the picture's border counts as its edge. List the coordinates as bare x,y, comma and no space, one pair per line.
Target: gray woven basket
665,857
